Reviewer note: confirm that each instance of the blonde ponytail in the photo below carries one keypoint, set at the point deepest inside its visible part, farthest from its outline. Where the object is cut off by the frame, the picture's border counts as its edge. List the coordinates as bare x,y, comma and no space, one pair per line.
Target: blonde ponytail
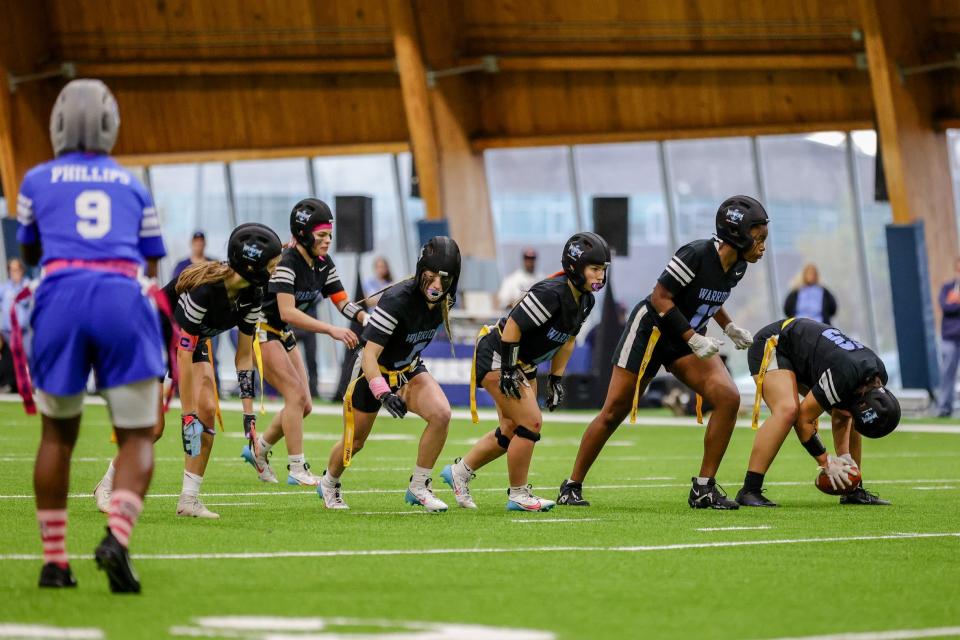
203,273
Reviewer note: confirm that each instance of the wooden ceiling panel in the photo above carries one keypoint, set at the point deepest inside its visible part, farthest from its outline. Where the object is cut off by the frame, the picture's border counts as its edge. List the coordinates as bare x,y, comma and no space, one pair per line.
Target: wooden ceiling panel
625,26
110,30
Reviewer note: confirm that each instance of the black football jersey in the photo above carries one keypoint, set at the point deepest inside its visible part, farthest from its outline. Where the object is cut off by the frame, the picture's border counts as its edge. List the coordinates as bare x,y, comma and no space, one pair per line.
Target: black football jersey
306,283
698,282
207,311
832,365
402,324
548,316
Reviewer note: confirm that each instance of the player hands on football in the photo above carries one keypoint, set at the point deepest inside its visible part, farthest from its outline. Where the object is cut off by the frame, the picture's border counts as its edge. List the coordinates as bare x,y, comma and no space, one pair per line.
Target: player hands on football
668,329
306,272
92,226
541,327
833,372
390,373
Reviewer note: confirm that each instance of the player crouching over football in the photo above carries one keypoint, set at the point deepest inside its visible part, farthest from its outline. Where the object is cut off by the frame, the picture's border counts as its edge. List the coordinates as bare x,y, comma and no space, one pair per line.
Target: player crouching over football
798,356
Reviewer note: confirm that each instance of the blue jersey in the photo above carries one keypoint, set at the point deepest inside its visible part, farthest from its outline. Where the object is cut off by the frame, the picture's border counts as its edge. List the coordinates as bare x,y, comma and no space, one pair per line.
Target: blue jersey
84,206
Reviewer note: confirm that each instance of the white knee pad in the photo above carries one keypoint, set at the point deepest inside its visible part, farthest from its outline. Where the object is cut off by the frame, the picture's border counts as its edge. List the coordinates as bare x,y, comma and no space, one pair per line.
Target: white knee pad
134,405
59,406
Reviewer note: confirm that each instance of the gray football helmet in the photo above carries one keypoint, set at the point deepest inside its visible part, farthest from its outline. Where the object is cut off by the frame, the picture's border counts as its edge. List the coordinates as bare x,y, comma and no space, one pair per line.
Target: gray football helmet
85,117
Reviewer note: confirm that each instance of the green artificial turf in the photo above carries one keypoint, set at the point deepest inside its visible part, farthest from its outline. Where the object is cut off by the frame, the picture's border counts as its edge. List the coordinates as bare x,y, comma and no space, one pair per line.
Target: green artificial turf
607,571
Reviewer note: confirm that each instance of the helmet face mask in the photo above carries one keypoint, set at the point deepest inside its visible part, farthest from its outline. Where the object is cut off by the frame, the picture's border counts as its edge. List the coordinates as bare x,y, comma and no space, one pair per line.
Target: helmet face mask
85,117
251,250
736,217
439,256
580,251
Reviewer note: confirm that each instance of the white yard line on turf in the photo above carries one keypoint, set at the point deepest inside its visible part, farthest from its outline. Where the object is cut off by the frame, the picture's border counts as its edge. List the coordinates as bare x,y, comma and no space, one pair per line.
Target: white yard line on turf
341,553
389,513
900,634
21,631
546,520
231,504
941,487
757,528
597,487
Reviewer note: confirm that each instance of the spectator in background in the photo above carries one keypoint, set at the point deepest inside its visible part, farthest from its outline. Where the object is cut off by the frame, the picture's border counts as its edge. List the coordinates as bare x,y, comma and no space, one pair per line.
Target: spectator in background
380,279
516,285
950,335
198,245
811,299
16,281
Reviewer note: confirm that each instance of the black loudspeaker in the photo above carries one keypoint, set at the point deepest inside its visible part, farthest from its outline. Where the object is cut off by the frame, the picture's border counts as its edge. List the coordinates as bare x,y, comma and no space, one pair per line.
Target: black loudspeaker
611,220
353,223
879,177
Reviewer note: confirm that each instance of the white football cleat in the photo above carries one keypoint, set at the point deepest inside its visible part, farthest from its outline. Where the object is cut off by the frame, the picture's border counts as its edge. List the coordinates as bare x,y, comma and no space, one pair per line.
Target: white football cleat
261,464
422,495
524,500
102,493
191,507
301,475
460,483
330,494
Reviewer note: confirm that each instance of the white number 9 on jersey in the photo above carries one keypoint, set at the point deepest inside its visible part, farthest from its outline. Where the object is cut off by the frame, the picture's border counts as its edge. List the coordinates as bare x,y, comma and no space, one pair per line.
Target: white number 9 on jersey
93,209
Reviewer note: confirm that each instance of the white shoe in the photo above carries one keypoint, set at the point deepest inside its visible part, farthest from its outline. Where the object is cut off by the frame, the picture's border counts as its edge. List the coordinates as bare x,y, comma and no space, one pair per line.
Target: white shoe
524,500
261,464
423,495
102,493
330,494
460,483
301,475
191,507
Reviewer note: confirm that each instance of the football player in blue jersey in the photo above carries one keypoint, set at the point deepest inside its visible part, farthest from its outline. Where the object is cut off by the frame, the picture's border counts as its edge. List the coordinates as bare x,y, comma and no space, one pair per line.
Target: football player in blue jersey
93,228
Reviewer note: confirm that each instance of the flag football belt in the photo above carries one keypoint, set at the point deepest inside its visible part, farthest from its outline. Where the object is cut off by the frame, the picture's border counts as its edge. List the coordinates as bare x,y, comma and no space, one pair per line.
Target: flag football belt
769,347
644,363
484,330
395,378
258,354
120,267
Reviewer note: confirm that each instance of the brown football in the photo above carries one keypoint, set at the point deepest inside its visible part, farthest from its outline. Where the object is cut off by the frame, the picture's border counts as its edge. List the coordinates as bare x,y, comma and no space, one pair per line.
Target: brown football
823,483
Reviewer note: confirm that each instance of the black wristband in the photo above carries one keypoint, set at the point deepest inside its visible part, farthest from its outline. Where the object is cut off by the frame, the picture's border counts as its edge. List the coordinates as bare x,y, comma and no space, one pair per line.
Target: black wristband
509,353
350,310
674,322
814,446
552,379
245,380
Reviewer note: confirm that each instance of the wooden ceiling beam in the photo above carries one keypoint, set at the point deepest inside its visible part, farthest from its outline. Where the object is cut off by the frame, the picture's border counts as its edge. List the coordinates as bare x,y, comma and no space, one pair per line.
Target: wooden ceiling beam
712,62
304,66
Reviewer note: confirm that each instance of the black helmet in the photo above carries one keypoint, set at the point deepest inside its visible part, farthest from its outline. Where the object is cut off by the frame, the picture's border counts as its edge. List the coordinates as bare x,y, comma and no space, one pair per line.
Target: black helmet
306,216
250,249
876,413
584,249
441,255
735,217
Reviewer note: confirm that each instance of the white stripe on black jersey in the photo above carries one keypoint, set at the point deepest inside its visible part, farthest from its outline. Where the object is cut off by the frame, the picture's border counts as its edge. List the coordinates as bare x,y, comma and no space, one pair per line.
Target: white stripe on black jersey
402,324
207,310
697,281
304,282
830,363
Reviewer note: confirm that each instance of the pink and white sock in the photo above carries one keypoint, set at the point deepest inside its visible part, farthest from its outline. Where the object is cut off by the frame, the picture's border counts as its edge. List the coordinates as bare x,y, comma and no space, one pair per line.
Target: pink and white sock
125,508
53,534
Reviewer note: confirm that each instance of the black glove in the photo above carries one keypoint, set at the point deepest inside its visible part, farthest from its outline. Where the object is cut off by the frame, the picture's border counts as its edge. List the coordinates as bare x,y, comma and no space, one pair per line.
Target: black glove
510,375
555,392
394,404
250,431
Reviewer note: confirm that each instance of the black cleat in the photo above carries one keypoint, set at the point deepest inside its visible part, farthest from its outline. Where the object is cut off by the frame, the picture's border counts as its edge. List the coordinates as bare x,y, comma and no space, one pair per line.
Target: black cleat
862,496
114,558
711,496
754,499
52,575
571,494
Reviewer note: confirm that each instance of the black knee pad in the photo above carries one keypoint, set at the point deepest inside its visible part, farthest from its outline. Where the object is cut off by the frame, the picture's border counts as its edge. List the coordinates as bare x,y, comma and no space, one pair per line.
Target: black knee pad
502,440
523,432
